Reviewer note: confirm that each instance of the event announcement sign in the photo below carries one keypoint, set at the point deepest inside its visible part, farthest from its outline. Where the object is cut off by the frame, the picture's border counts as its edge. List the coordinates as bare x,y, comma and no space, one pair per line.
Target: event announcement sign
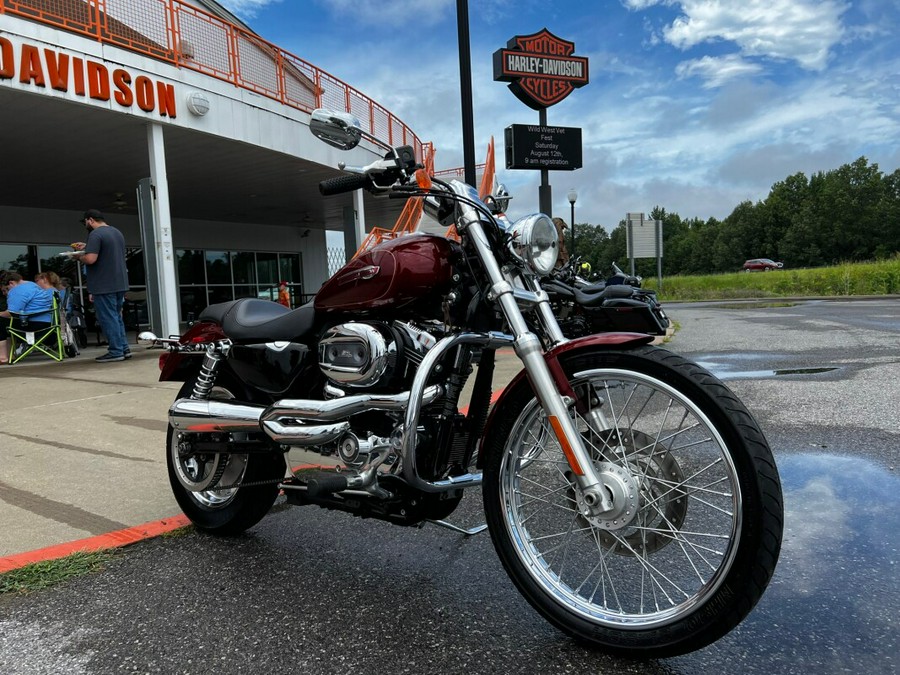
537,147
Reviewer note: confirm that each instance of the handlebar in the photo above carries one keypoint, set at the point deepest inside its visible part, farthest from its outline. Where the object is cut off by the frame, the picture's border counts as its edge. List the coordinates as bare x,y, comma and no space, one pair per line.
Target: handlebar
341,184
397,165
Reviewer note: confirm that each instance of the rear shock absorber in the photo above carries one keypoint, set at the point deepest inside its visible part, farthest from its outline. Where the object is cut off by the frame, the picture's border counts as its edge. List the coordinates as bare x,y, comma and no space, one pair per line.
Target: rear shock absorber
206,378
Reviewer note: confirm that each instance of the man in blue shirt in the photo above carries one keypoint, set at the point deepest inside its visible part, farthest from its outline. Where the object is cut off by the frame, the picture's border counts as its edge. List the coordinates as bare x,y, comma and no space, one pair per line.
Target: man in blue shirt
107,281
24,297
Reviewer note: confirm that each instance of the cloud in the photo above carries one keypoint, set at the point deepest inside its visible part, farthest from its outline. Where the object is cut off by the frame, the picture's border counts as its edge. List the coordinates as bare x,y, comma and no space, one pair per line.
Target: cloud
716,70
800,30
803,31
246,9
638,5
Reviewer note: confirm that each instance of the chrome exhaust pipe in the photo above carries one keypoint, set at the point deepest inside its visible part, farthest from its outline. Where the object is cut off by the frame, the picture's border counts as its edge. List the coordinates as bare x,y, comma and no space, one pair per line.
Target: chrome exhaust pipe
285,421
211,415
341,408
304,434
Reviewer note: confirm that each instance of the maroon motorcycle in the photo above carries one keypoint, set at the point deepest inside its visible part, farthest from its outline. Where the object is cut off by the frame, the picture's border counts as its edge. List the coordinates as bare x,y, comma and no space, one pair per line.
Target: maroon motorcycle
631,497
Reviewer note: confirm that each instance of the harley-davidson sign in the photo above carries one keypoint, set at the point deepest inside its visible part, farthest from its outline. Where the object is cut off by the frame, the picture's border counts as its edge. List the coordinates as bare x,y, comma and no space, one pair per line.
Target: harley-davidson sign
540,68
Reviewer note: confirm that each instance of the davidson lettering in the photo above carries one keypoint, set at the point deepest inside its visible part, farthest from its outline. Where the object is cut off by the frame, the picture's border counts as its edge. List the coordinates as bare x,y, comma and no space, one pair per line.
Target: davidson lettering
518,64
63,72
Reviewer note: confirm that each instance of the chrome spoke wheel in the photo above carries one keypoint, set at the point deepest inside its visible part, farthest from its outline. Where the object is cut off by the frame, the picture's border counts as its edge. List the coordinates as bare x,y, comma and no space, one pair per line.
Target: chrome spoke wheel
672,535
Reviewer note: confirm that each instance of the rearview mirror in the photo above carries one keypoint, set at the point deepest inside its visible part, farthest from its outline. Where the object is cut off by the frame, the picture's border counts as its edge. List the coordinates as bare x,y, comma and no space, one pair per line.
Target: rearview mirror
339,129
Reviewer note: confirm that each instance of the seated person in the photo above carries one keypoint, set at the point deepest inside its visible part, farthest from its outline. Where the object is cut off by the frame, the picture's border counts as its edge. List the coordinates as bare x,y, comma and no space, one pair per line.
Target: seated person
50,281
25,297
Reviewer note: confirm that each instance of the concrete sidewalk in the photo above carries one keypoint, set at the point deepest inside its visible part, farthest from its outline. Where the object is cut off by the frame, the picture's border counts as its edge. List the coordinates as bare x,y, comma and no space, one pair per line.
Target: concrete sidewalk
81,448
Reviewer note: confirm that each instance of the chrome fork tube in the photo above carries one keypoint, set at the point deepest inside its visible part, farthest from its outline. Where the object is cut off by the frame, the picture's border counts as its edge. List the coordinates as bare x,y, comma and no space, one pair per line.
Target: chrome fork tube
529,349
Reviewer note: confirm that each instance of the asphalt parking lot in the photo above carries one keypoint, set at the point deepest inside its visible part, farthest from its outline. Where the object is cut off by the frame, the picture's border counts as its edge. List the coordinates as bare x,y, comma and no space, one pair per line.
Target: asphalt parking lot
324,592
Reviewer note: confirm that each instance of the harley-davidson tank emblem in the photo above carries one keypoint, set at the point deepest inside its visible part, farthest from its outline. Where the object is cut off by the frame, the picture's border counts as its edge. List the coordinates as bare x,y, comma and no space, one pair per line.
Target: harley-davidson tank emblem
540,68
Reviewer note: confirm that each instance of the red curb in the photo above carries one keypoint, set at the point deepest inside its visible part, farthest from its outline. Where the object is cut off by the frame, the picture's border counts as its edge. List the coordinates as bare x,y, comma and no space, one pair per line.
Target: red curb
129,535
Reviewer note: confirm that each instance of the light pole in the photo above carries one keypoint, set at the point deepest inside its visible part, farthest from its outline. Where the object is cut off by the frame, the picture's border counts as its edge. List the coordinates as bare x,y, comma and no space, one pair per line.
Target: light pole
573,197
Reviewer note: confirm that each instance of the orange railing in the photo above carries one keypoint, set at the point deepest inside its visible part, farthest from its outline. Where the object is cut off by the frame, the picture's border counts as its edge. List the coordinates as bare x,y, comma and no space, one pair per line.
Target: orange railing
188,37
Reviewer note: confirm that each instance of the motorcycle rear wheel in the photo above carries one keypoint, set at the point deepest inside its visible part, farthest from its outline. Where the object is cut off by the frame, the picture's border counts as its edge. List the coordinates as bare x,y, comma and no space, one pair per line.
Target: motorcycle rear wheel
222,512
698,531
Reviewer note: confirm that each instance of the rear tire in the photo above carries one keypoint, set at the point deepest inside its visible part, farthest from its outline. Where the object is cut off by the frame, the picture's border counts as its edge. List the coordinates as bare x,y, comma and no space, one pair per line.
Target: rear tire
223,512
699,531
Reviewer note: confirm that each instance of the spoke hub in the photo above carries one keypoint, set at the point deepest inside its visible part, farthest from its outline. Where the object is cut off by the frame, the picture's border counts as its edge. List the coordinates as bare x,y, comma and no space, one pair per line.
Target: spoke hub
621,488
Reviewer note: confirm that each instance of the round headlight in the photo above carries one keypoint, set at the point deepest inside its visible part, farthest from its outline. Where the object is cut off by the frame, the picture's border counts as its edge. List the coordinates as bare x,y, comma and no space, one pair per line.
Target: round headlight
535,242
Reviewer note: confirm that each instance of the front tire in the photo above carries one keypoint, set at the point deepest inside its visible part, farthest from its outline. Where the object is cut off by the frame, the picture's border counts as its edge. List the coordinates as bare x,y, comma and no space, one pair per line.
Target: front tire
696,528
194,479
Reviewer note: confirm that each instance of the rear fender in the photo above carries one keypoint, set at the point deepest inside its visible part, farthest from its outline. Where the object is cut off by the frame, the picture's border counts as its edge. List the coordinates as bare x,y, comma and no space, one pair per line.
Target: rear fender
570,348
183,366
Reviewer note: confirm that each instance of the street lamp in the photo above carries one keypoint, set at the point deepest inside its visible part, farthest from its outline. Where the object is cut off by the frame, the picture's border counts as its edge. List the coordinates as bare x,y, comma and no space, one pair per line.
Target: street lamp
573,197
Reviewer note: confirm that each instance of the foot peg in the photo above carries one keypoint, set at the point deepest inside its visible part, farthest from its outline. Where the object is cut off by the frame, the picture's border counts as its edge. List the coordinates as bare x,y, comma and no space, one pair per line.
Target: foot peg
325,483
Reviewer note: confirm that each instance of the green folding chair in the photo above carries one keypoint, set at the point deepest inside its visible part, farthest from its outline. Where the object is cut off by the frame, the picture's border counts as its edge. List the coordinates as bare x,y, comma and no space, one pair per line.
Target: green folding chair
46,340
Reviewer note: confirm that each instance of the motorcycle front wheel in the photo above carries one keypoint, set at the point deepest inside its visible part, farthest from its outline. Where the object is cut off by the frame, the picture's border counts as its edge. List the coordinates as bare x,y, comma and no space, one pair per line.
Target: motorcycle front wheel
198,479
695,530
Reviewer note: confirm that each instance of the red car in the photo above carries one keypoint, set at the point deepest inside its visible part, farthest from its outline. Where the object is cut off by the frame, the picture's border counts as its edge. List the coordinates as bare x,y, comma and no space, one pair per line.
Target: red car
761,265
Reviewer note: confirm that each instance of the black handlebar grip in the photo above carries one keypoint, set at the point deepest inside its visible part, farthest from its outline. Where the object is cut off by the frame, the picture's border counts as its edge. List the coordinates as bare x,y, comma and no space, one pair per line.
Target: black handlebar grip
348,183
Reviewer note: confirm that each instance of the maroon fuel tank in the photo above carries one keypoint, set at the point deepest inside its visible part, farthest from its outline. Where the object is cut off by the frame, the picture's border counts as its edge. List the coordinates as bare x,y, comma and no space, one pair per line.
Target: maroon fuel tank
393,274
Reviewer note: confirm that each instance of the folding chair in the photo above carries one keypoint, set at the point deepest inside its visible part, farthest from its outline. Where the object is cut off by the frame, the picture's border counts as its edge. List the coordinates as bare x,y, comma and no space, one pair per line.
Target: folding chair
47,340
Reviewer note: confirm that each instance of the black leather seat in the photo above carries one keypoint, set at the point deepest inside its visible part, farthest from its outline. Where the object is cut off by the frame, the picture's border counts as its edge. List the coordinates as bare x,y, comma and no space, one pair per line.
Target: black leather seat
253,320
608,293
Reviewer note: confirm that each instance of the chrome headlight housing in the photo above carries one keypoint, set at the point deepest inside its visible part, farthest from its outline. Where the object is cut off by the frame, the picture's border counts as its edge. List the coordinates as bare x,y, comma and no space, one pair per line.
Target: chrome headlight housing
535,243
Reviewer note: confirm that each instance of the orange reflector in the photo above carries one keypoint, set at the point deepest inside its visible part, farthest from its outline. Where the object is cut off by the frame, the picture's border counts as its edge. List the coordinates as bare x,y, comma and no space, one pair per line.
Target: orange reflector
423,180
564,444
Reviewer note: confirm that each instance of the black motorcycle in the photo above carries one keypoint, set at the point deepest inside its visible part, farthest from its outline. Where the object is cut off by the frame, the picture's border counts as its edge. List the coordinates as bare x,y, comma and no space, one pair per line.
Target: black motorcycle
617,304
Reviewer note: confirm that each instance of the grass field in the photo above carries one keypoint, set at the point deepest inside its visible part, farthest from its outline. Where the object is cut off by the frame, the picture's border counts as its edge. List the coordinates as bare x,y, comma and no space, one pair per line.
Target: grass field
875,278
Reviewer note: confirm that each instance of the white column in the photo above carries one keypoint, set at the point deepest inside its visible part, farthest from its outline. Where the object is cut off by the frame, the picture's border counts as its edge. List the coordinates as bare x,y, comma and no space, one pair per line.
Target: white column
165,251
359,217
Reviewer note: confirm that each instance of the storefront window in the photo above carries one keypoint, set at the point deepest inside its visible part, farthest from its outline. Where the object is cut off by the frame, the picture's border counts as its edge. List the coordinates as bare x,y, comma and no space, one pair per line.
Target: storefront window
18,258
217,294
51,261
193,301
290,267
244,267
218,267
190,267
209,277
267,268
244,292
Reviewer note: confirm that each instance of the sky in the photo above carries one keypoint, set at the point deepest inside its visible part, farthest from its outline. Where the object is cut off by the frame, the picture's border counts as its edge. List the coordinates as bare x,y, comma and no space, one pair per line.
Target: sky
692,105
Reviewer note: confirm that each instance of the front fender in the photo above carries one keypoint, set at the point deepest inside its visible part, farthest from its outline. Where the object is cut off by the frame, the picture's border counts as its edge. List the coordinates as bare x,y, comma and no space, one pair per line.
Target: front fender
570,348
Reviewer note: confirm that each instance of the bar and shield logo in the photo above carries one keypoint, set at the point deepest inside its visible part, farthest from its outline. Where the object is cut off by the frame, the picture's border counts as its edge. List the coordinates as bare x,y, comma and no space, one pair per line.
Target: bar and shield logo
540,68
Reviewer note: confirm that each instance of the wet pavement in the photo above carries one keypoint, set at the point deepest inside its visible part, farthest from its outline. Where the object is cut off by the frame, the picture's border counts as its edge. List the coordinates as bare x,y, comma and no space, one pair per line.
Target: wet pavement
317,591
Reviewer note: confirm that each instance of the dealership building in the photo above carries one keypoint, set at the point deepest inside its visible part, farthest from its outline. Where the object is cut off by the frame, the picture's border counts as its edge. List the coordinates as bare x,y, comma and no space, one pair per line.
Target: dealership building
190,132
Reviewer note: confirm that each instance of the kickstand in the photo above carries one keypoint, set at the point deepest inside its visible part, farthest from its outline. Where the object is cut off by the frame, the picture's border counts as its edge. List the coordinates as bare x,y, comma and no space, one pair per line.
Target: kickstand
456,528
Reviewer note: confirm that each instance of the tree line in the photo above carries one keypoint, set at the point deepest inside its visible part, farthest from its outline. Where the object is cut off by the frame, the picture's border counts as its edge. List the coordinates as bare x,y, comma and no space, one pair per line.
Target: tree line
849,214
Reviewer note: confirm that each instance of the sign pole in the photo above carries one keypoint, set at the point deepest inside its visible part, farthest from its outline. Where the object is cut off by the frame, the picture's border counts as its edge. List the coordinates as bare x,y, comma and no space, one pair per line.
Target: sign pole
465,91
545,192
658,224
